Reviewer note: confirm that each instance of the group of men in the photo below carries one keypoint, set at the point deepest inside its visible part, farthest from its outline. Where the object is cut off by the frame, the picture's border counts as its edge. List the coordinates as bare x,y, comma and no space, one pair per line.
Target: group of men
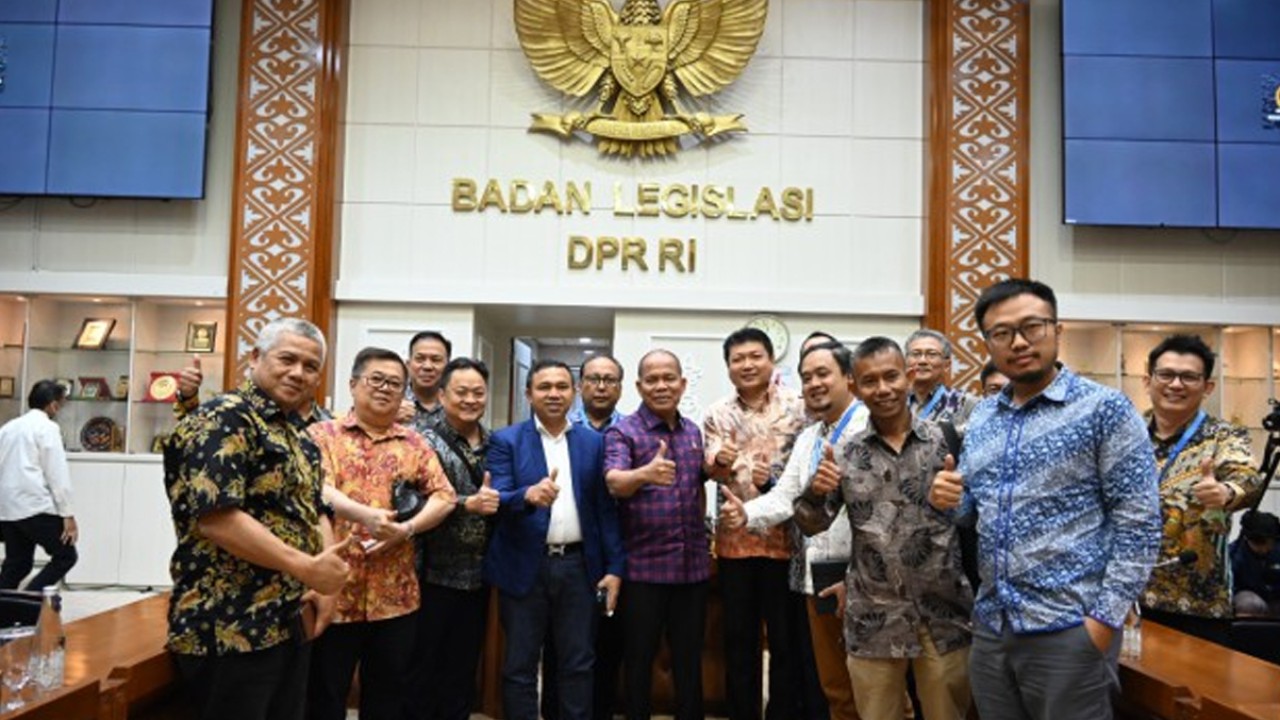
839,513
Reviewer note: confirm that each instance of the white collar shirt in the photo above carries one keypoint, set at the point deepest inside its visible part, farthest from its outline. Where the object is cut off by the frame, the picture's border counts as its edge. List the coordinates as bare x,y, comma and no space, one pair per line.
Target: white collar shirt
564,527
34,477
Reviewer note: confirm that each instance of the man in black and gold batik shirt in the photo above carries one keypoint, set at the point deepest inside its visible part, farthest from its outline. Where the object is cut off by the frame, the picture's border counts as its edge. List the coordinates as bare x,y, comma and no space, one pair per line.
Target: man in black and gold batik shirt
244,488
1206,473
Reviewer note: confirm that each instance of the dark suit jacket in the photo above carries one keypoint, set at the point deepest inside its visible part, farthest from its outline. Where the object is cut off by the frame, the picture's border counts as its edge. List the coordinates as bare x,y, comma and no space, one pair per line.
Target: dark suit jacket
516,462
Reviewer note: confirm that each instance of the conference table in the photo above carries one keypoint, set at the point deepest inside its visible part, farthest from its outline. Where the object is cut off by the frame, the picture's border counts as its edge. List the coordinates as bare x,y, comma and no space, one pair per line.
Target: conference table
116,662
1177,673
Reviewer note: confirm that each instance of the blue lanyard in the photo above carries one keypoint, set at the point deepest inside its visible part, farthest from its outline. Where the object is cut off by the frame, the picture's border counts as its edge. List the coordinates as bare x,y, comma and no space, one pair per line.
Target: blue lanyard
834,437
933,402
1182,443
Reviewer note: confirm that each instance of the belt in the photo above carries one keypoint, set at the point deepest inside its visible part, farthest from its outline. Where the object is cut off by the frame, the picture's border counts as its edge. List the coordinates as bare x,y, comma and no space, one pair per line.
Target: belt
565,549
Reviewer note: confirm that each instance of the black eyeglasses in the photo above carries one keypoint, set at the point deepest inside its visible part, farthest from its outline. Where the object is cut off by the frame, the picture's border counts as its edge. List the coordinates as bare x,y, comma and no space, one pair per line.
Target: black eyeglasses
1165,376
601,381
930,353
1032,329
383,382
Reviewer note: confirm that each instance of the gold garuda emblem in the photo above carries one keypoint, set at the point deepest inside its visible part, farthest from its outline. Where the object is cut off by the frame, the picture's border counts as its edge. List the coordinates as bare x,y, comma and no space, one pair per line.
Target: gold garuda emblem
638,60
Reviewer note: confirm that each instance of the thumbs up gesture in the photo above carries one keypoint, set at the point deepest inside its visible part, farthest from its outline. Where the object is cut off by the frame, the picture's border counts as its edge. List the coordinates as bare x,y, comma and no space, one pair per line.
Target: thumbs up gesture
760,470
485,500
733,514
327,572
826,477
1208,491
190,378
727,455
660,470
947,487
543,494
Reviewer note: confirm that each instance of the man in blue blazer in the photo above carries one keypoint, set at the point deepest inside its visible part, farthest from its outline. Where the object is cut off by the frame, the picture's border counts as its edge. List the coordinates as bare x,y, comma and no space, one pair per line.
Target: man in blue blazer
556,545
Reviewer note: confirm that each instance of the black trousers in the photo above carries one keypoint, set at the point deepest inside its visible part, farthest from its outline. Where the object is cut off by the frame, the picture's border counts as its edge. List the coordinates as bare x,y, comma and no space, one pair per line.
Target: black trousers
20,540
813,701
381,648
755,590
267,684
680,611
450,637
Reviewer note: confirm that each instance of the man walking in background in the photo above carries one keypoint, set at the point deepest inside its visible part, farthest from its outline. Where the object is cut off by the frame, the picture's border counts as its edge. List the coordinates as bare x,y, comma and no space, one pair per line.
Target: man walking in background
35,492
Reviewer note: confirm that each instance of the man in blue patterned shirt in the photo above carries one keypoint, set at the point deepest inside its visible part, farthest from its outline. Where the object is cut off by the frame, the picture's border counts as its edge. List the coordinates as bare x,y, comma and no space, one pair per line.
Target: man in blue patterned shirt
1059,476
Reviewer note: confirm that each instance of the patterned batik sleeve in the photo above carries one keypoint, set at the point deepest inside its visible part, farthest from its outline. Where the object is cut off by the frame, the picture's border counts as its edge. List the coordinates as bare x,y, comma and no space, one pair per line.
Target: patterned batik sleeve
324,443
1234,464
218,457
1131,500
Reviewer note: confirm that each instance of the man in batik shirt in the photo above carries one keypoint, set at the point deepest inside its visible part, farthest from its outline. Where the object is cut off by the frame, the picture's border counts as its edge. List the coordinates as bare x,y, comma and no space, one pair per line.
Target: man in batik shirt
363,455
929,364
244,482
908,602
748,438
429,352
1206,473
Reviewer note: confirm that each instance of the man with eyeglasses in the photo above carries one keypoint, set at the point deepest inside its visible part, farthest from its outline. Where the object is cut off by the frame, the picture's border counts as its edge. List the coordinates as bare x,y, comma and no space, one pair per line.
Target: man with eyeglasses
929,364
363,455
600,383
1206,473
1058,474
429,352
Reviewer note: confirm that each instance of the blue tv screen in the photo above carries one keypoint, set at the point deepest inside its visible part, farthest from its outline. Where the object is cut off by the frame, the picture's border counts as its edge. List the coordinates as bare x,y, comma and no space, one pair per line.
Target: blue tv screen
104,98
1170,113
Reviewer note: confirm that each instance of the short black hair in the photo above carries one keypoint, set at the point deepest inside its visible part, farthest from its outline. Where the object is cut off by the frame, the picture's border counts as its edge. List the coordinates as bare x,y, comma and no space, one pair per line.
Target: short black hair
540,365
431,335
463,363
841,354
1011,288
818,334
987,371
745,335
44,393
875,345
1183,344
369,354
600,356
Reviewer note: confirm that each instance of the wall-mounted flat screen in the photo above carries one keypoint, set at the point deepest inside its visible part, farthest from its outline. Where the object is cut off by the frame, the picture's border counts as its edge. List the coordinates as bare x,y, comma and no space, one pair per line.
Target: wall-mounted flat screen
1171,112
104,98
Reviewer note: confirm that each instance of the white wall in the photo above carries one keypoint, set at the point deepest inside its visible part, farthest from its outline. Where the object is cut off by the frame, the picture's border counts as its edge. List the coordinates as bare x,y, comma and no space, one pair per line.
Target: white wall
1183,275
696,339
137,247
439,89
362,325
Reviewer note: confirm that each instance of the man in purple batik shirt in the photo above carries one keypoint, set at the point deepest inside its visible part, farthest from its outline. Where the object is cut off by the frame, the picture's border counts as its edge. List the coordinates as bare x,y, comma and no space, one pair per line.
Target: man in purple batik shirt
653,465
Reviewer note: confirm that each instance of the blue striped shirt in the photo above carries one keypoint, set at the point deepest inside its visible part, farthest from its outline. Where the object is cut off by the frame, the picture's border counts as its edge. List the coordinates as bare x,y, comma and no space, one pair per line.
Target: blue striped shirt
1068,508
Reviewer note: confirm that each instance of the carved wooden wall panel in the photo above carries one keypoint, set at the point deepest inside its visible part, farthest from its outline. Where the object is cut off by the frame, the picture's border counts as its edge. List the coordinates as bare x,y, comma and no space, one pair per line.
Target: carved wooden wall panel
978,200
287,172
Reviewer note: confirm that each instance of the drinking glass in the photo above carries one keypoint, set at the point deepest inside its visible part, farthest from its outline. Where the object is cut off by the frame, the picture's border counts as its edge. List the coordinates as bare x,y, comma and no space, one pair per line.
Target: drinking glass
16,646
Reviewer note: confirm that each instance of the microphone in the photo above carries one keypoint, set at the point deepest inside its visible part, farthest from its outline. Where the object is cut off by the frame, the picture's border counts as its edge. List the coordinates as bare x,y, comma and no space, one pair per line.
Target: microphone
1186,557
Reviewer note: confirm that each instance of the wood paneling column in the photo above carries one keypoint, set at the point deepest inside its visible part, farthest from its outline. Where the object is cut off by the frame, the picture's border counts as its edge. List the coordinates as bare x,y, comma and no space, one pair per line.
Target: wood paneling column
978,208
288,173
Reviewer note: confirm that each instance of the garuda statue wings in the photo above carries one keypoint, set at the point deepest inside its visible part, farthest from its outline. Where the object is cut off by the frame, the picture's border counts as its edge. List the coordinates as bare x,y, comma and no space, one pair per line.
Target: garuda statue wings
638,60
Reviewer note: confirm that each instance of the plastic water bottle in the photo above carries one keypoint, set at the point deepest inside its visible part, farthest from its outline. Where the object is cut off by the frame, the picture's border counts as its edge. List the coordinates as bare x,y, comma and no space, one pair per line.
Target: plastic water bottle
1131,641
50,657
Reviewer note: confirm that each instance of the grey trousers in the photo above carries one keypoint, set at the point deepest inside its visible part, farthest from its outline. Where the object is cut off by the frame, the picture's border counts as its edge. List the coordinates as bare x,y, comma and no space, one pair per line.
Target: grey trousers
1050,676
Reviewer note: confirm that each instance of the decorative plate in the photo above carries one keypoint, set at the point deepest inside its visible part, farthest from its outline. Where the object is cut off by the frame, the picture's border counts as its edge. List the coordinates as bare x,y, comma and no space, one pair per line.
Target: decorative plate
96,434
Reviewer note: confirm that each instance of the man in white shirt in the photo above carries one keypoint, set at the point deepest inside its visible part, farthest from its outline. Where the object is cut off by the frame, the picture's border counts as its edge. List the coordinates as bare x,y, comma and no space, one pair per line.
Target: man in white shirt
35,492
556,555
